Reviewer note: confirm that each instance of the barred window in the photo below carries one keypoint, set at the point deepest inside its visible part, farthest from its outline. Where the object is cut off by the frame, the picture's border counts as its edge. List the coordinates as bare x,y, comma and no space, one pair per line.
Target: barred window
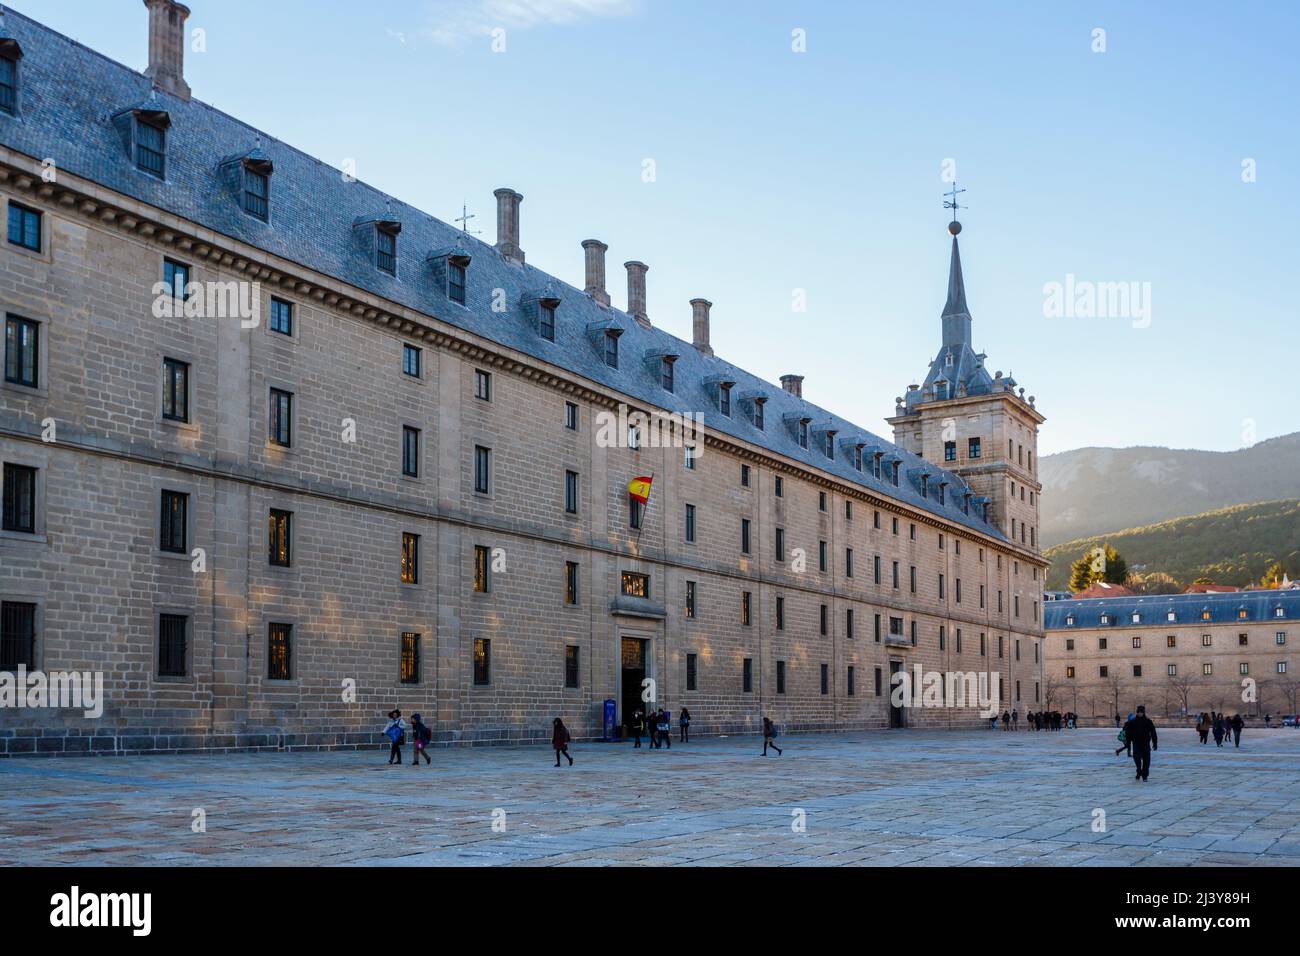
635,584
257,193
410,658
456,282
482,661
571,668
482,569
279,535
546,321
279,648
17,635
150,148
172,636
410,558
386,251
174,518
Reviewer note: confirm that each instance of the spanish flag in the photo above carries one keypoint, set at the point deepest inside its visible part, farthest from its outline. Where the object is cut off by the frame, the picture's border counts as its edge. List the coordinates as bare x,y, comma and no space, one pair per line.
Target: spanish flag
639,488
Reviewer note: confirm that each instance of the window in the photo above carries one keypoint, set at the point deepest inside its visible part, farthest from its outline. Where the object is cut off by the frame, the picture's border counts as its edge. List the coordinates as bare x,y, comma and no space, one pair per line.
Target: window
1171,670
1171,641
690,672
1242,640
724,400
571,416
690,599
821,556
176,276
636,585
571,492
875,569
983,645
780,544
22,350
877,630
282,316
895,627
635,513
171,645
689,457
943,635
257,193
848,623
779,486
941,588
279,651
821,501
1069,644
950,451
1242,614
410,558
848,511
546,321
1069,673
780,613
410,451
849,688
176,390
386,254
895,569
24,226
1101,643
279,537
8,84
912,578
823,620
571,658
780,677
747,675
411,360
1280,638
482,469
17,636
410,658
848,562
173,522
744,536
483,385
758,415
571,582
666,374
973,448
1281,667
746,608
482,661
826,679
611,350
1137,642
1207,640
803,433
281,425
19,499
150,148
482,569
1243,668
877,681
690,524
456,282
744,476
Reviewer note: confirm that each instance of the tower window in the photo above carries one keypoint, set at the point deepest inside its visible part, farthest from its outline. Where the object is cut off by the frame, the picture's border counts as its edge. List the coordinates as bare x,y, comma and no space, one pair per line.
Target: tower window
950,451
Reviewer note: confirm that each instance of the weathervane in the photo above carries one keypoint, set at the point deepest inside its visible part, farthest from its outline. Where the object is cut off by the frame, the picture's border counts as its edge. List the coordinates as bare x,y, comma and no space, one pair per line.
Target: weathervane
954,227
465,217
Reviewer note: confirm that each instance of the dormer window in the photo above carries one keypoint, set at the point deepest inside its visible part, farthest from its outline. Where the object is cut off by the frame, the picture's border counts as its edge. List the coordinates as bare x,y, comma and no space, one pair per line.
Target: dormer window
925,486
1242,614
386,256
1105,619
941,492
1171,616
758,412
151,146
456,282
1205,614
546,321
803,433
10,54
830,445
1069,620
1137,618
611,348
450,271
857,457
666,373
257,193
1278,612
724,399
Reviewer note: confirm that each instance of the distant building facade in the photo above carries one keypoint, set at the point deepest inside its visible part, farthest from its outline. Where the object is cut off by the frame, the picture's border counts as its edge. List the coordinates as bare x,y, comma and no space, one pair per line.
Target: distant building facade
390,467
1232,652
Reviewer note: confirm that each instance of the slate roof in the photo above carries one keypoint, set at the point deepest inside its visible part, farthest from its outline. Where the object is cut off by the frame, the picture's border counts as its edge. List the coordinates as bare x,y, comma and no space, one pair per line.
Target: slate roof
69,94
1224,607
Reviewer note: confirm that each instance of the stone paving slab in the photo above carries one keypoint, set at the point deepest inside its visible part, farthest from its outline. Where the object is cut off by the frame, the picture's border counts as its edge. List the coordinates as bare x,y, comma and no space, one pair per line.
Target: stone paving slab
909,798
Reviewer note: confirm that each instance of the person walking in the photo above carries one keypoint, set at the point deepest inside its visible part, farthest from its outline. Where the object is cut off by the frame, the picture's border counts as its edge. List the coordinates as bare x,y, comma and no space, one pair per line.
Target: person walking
1203,727
1237,725
665,729
1015,720
421,735
395,731
1140,736
638,721
684,722
560,741
1006,720
1218,731
769,737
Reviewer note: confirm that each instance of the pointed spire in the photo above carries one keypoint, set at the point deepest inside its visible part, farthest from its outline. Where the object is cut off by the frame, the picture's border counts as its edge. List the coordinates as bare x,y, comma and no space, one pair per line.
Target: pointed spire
956,314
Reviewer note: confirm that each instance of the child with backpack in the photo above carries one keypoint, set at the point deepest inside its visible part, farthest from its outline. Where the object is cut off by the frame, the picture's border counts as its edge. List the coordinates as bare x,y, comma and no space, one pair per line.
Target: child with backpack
422,734
395,731
560,741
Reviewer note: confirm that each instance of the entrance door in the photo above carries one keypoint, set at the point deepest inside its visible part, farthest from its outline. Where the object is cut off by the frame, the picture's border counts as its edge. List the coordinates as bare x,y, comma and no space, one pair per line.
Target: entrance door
635,660
897,713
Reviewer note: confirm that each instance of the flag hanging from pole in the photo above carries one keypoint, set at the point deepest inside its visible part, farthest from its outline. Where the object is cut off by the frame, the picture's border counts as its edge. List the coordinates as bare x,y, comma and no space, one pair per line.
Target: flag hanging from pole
639,488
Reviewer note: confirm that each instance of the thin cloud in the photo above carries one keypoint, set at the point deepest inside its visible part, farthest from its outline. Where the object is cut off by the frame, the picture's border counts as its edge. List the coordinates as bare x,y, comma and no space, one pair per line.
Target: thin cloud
452,21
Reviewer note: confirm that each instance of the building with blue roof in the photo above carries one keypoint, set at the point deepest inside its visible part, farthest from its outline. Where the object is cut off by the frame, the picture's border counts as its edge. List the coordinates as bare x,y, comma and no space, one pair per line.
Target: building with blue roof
404,396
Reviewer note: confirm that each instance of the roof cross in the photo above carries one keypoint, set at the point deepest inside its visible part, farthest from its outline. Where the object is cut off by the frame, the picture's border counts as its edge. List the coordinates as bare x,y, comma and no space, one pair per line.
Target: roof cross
464,218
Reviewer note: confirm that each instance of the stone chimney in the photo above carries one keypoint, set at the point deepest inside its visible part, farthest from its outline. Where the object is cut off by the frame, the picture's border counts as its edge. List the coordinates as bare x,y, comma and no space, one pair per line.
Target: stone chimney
636,292
793,384
595,250
508,224
167,47
700,325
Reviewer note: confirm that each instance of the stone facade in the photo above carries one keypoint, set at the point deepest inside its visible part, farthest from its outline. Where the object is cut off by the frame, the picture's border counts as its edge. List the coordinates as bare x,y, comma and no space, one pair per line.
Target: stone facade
93,568
1231,652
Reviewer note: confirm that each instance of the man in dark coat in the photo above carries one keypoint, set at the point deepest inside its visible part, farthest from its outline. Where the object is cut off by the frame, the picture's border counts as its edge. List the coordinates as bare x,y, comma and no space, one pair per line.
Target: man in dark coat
1237,725
1140,734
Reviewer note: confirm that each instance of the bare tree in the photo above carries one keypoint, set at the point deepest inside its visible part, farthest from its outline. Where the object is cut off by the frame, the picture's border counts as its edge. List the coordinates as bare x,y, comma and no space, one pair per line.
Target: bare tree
1289,688
1052,687
1181,688
1115,686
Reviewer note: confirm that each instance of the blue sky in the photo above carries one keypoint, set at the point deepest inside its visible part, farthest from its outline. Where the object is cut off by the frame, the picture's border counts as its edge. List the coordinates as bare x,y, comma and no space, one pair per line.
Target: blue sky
821,171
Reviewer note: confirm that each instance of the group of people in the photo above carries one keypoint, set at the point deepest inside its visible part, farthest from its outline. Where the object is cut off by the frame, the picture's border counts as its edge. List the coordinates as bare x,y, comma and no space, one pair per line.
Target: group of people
657,726
395,731
1222,726
1052,720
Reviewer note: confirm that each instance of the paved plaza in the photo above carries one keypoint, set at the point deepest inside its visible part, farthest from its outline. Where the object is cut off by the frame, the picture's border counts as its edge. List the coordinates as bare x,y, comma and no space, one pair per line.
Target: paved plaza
934,798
